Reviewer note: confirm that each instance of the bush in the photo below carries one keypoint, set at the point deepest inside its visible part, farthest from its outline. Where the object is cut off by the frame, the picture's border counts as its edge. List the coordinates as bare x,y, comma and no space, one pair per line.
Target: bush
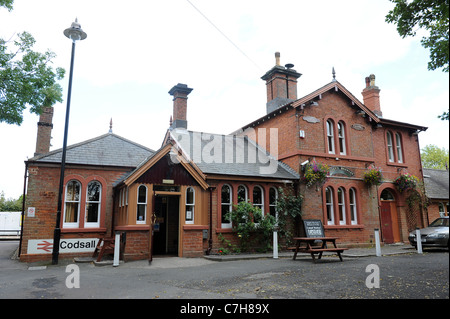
252,228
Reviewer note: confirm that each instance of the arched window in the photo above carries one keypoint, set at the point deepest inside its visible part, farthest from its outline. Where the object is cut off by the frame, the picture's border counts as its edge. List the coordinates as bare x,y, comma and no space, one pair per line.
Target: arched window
329,205
258,198
341,134
330,136
398,145
273,197
227,204
386,195
93,204
341,206
72,204
242,194
141,213
190,205
390,147
353,207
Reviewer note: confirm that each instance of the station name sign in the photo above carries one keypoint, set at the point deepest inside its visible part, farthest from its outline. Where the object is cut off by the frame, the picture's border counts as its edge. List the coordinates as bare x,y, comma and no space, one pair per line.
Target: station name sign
69,245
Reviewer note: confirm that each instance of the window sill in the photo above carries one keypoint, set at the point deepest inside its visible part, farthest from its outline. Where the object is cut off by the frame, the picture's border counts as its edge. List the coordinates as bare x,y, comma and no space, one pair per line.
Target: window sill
83,230
195,227
132,227
396,164
337,227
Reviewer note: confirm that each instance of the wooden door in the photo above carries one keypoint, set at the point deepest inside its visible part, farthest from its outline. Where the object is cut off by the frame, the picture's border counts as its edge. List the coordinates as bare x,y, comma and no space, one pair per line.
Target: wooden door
386,222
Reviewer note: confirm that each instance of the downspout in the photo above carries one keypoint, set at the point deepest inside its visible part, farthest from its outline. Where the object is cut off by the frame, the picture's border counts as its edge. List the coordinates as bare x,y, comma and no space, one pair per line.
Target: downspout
23,207
210,241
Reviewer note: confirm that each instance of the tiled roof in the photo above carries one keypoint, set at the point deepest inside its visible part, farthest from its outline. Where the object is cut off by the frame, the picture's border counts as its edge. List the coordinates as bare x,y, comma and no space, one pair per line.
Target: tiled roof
436,183
106,150
230,155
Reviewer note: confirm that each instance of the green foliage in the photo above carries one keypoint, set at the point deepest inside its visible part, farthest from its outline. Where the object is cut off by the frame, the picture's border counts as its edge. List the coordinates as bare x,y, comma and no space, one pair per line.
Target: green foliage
315,173
10,205
26,79
289,208
8,4
373,175
430,15
252,228
434,157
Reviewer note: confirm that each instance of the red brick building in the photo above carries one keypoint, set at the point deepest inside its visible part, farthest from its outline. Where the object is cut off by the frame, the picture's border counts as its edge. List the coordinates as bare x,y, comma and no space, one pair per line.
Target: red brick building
184,189
331,126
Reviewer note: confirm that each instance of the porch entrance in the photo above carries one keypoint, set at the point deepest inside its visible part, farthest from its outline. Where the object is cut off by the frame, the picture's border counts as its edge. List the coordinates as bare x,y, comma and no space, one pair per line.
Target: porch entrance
166,227
388,218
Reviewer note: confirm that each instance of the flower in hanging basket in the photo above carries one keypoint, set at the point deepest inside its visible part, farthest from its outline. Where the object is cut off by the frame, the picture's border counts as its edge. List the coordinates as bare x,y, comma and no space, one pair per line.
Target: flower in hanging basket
405,182
316,173
373,175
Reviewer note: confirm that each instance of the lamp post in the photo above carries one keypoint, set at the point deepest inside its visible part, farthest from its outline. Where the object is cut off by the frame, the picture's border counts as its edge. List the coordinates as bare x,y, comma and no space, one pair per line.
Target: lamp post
74,33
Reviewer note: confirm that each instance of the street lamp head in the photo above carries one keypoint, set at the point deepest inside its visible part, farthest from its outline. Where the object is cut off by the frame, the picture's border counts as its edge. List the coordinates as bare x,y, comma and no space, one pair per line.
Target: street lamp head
74,32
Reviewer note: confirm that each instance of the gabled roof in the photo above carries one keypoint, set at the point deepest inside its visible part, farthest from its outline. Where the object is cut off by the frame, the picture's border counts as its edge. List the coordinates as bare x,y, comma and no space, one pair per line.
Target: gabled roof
336,86
216,154
178,158
105,150
436,183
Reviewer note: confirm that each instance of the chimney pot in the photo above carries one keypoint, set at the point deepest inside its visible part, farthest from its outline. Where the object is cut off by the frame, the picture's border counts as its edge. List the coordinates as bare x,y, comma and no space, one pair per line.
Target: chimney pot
277,58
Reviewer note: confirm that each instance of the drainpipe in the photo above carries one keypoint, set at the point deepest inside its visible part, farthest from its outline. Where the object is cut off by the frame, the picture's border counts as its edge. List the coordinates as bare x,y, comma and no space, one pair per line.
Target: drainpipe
210,241
23,206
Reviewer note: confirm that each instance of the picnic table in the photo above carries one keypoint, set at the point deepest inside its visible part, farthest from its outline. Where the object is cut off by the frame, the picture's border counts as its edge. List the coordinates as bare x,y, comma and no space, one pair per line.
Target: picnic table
314,249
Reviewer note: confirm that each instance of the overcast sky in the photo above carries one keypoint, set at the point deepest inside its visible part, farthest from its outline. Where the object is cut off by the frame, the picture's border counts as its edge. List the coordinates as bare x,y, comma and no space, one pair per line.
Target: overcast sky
136,51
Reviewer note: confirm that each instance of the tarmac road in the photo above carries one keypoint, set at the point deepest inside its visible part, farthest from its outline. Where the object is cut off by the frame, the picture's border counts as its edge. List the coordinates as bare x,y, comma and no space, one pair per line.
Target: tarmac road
405,276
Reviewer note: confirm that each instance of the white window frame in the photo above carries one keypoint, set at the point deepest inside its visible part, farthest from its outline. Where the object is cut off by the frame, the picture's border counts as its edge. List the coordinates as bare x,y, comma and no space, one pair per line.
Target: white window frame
341,135
341,205
99,203
144,204
190,206
261,205
329,205
390,146
230,206
330,137
275,203
246,193
353,206
77,223
398,145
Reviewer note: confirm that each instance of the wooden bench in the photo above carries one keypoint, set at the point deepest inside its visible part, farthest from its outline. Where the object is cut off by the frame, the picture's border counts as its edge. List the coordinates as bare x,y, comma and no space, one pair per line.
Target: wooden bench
106,248
311,249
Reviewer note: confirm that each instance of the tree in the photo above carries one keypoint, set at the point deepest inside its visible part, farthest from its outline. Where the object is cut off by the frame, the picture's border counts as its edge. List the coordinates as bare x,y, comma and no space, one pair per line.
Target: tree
10,205
431,15
434,157
26,77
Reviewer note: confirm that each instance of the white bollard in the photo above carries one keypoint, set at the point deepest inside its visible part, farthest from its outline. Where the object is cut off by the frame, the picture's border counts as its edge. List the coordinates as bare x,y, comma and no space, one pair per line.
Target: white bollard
116,250
418,241
377,242
275,244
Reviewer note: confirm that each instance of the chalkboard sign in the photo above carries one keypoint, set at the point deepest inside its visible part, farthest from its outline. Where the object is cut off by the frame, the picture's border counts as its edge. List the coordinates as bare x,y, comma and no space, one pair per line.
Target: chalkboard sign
313,228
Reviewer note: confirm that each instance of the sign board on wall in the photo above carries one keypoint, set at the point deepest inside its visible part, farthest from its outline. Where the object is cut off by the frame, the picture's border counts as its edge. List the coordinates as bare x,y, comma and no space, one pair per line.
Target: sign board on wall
70,245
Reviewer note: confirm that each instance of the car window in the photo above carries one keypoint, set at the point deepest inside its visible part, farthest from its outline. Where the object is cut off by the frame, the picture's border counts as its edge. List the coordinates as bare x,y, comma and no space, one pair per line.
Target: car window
440,222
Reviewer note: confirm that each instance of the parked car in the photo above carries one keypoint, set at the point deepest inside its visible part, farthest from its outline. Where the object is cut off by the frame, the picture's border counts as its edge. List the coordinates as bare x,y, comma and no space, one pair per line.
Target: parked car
435,235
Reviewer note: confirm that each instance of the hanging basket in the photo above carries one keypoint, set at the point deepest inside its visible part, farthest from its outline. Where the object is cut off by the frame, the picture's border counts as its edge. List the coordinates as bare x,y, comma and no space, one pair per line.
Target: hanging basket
406,182
315,173
373,175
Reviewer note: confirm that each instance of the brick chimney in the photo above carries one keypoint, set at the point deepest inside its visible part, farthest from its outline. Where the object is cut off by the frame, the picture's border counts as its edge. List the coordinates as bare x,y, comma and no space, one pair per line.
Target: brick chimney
180,94
371,96
44,132
281,84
